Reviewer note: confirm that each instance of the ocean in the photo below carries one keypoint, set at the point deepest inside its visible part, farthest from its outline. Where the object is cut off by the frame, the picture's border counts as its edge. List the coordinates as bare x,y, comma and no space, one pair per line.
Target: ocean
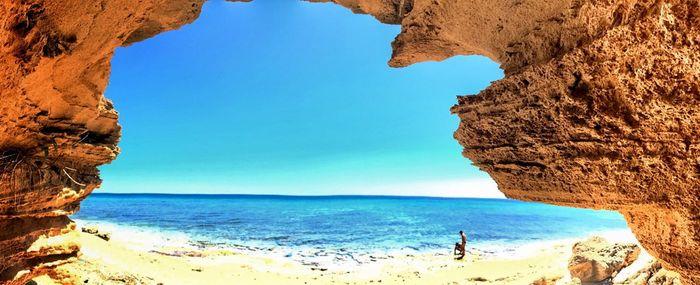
339,228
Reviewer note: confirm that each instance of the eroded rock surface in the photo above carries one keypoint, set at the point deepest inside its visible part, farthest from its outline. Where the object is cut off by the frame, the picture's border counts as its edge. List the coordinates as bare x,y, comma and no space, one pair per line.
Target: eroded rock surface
652,274
598,108
610,124
596,260
56,126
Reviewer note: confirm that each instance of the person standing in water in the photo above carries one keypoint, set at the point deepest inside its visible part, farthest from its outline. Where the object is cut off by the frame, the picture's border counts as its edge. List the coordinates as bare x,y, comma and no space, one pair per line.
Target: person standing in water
461,248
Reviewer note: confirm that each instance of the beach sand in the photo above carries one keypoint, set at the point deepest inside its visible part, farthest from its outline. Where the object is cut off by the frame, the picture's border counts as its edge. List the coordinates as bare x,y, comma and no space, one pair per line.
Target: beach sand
115,262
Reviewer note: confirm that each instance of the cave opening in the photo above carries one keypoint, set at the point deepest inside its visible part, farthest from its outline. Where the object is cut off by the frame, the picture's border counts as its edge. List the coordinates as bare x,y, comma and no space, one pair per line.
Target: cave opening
241,115
295,98
255,95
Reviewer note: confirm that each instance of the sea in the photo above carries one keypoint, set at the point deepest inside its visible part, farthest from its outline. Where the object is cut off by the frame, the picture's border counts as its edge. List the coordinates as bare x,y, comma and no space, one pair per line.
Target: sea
339,229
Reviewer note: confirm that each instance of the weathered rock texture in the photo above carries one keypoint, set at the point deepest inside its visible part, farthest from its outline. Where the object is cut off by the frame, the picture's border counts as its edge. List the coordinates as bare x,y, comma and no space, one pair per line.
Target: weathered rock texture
56,126
596,260
602,114
651,274
598,108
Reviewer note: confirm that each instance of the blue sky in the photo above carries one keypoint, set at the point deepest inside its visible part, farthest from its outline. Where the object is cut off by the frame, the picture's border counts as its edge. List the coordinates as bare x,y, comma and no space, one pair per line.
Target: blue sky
289,97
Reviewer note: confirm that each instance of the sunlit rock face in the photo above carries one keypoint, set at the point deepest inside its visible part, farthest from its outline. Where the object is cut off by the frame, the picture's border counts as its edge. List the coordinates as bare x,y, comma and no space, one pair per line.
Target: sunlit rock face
597,109
609,121
56,126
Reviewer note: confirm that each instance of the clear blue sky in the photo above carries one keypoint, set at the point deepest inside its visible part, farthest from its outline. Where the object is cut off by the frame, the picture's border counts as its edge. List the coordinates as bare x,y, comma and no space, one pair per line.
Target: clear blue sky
289,97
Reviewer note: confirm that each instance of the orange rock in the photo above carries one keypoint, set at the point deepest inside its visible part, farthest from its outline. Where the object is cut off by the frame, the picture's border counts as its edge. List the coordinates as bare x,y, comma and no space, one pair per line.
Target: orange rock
596,260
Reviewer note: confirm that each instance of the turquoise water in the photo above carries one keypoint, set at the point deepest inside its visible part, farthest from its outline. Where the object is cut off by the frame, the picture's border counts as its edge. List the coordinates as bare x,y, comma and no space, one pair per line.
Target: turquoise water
294,225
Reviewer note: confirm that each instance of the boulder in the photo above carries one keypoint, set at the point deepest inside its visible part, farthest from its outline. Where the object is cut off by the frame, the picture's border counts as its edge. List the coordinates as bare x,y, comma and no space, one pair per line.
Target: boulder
640,276
596,260
646,270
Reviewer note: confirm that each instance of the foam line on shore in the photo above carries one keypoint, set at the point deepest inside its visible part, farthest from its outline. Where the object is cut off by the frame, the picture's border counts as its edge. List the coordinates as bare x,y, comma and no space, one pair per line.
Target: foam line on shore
149,239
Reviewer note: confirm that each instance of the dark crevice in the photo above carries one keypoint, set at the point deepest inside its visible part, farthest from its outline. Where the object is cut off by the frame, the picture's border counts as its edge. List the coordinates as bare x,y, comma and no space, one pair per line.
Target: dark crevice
95,138
58,44
85,136
51,130
29,20
574,90
525,164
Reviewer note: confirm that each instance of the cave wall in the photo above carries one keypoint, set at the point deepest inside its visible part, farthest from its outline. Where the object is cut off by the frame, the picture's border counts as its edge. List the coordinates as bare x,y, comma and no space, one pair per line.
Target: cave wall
56,127
596,110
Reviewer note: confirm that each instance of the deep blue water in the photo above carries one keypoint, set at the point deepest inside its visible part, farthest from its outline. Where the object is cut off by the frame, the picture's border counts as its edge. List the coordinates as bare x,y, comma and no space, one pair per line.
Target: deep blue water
345,223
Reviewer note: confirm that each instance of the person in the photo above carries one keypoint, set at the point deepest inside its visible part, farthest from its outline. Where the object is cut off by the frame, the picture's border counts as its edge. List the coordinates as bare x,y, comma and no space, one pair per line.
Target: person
461,248
457,249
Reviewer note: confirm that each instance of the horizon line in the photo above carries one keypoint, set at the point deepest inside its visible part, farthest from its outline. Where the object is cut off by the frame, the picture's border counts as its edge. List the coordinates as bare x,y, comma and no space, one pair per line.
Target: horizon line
298,195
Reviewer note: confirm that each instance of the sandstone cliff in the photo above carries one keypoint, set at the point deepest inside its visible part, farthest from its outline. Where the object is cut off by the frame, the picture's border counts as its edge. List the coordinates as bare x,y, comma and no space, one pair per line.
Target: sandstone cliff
56,126
597,109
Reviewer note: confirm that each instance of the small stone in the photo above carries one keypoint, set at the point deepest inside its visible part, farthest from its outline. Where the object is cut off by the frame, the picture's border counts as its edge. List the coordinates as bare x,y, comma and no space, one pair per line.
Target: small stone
104,236
90,230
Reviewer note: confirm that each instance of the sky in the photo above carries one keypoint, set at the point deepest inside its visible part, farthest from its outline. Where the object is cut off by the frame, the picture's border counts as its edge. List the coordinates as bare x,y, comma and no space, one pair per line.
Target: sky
289,97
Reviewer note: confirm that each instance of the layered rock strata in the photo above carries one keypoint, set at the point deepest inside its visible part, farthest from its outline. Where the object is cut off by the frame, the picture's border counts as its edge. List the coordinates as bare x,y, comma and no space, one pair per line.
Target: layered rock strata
610,123
56,126
597,108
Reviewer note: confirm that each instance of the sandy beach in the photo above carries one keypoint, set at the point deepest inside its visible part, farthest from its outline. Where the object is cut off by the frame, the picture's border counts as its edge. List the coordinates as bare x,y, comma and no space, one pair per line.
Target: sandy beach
115,262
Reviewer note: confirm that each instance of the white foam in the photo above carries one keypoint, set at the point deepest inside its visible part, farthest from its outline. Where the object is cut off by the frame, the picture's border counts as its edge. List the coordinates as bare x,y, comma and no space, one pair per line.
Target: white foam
152,239
527,249
141,238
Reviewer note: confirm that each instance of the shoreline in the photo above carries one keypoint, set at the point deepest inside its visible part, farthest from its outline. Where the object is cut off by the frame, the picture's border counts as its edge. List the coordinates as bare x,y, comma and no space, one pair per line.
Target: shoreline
130,262
153,239
106,260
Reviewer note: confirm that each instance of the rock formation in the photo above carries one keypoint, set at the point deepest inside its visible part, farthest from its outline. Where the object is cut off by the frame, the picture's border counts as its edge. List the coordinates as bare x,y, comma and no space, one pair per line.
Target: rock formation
56,126
597,109
652,274
596,260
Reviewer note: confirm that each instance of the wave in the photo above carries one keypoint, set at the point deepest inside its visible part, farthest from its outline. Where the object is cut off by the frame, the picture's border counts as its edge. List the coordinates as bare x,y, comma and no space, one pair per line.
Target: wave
152,239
